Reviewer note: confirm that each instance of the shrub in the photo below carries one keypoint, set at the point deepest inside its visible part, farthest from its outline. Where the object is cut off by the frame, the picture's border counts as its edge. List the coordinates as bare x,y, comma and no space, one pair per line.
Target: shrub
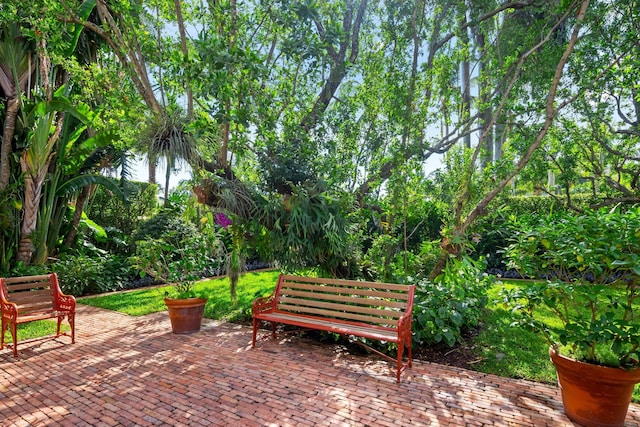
594,287
167,226
452,304
107,210
80,274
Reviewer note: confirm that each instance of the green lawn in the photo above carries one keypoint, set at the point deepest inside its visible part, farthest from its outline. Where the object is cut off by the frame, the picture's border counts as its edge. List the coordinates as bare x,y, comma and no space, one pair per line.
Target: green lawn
503,349
145,301
40,328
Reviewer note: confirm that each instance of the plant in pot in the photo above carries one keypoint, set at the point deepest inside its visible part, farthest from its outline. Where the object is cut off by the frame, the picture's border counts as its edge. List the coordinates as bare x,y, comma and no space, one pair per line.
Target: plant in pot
591,293
185,306
180,266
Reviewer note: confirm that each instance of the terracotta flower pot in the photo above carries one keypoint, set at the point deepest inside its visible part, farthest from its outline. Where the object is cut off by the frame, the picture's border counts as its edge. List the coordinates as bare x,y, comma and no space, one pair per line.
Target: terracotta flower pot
185,314
592,395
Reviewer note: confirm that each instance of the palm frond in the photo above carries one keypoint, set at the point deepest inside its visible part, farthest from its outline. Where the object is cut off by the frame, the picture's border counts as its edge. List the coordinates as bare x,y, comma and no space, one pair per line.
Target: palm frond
76,183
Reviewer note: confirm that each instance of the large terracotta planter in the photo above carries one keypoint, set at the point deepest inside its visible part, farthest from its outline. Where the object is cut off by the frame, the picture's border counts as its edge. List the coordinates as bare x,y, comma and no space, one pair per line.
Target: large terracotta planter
185,314
592,395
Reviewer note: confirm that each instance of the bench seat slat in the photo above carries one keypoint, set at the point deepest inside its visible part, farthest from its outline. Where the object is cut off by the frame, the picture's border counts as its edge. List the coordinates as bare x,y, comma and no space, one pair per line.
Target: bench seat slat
39,316
333,325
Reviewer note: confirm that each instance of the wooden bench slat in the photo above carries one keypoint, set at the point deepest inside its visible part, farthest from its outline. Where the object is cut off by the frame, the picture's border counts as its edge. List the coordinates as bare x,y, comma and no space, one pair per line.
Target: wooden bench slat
28,279
359,290
38,316
345,299
344,328
337,314
26,287
35,295
341,307
347,283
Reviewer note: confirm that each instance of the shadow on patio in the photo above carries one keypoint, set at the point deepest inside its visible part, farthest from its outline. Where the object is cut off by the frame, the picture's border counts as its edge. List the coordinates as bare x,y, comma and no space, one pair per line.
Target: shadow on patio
126,371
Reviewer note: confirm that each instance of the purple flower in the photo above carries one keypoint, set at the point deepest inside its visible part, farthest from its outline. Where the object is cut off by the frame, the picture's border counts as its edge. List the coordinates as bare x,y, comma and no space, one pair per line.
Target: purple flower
223,220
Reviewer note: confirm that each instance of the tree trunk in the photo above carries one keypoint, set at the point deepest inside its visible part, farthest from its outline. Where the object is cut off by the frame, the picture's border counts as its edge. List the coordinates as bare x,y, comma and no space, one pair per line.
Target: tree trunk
185,53
462,225
13,105
70,239
32,194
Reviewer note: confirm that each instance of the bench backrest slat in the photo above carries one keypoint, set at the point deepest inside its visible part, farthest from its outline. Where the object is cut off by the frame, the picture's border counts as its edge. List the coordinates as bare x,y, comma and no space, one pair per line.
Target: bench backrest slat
375,303
340,307
339,315
374,293
345,283
32,301
380,300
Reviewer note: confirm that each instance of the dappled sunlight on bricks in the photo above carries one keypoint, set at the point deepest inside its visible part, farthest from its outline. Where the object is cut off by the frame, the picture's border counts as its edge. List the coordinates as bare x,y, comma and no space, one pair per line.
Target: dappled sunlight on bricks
135,372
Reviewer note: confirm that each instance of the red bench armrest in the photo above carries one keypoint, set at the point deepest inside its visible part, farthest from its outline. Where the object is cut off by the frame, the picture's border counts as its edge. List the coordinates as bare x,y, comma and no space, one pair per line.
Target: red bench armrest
262,304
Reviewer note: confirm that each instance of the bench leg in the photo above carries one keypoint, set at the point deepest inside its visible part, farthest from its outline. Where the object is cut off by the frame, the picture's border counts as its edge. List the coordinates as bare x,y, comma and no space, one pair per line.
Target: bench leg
72,322
255,331
399,370
4,328
14,334
59,324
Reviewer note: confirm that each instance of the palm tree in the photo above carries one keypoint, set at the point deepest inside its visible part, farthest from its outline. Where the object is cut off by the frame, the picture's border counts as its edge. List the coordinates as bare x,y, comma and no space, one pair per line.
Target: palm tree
17,65
170,140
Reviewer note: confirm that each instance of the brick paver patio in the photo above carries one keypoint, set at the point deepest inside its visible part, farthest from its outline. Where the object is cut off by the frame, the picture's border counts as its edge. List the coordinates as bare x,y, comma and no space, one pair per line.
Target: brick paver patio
126,371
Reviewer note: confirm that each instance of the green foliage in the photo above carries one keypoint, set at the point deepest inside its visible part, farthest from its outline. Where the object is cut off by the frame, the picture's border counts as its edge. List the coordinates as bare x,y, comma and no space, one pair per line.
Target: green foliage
9,228
82,274
594,291
110,211
492,234
168,225
308,227
181,263
452,305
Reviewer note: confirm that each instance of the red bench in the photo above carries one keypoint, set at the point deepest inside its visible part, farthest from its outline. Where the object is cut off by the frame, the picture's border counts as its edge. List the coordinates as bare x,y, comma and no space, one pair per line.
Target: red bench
376,311
30,298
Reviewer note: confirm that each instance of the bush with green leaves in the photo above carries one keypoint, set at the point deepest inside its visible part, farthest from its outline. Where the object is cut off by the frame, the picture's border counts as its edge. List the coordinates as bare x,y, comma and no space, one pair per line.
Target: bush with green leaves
593,292
181,263
83,274
110,211
452,304
168,226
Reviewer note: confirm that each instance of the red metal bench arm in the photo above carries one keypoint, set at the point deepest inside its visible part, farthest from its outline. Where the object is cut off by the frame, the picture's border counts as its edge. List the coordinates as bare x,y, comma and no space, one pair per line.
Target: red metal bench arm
9,310
61,302
263,304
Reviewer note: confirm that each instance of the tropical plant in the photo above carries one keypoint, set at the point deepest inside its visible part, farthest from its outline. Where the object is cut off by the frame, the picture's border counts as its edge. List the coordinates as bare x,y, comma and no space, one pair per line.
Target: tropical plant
451,305
591,257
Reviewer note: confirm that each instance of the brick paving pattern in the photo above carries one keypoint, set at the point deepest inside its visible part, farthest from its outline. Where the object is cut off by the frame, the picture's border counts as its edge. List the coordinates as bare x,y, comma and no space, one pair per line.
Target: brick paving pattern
126,371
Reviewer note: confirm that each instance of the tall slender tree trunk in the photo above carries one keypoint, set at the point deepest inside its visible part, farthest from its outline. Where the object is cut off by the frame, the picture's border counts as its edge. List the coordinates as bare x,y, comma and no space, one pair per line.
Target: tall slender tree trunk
465,81
81,200
450,245
185,53
32,195
13,106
